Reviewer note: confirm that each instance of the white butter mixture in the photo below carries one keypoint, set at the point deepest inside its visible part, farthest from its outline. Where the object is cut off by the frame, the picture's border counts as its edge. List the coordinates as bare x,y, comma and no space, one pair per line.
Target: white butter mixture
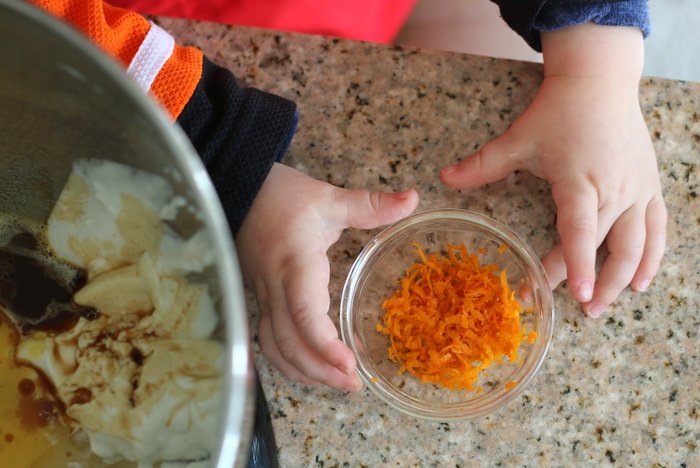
142,380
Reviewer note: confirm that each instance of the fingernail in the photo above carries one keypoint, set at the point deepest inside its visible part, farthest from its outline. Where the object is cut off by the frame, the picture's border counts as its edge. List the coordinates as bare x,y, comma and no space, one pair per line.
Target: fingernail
356,386
585,291
346,370
643,285
525,293
449,169
596,311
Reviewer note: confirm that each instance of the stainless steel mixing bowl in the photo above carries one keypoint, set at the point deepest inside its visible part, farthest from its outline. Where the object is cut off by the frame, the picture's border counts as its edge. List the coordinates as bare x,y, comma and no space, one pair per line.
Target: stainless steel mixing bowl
61,99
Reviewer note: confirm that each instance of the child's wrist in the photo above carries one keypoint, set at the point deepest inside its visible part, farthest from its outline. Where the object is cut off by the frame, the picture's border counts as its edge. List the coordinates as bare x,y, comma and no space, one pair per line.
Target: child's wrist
594,51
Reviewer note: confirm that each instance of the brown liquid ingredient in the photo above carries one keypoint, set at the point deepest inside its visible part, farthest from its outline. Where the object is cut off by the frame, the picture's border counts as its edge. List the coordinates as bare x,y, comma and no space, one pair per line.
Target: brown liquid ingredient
36,293
37,298
81,396
37,413
26,387
33,293
34,432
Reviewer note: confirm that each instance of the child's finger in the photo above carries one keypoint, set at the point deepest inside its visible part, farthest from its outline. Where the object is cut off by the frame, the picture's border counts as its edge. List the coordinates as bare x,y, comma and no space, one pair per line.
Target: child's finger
577,223
555,266
626,246
656,217
554,262
362,209
306,293
269,349
298,353
492,162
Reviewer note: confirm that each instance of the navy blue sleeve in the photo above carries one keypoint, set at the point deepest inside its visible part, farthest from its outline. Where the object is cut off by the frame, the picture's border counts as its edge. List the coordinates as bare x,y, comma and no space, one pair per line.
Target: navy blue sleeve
529,17
239,133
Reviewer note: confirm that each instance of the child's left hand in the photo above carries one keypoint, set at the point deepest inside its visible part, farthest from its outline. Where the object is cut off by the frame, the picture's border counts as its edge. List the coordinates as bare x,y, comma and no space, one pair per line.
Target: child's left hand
584,133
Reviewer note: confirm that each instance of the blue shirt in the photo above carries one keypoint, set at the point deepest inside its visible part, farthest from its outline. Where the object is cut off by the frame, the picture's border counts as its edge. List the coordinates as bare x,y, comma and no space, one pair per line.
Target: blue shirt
530,17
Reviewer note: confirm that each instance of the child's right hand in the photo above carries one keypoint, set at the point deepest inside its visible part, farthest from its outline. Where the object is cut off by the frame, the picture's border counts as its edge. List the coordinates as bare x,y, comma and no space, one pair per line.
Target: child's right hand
282,247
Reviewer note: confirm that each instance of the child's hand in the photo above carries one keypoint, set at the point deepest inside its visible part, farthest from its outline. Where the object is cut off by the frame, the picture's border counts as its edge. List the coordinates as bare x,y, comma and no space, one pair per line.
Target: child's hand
282,247
585,134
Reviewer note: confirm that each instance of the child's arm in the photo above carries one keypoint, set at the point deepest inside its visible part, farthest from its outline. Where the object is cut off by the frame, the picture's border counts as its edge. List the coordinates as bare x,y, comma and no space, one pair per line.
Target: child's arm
584,132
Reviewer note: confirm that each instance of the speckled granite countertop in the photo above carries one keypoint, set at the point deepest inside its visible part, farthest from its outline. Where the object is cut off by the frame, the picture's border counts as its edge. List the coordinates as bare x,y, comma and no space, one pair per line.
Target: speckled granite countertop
622,390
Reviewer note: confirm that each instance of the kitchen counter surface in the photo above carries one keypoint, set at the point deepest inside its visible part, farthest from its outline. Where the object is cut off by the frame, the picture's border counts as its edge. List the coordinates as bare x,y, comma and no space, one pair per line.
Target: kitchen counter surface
622,390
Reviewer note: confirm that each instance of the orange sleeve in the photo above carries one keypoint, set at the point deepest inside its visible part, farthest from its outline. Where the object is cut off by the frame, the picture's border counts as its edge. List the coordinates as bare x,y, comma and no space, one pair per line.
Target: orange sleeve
121,33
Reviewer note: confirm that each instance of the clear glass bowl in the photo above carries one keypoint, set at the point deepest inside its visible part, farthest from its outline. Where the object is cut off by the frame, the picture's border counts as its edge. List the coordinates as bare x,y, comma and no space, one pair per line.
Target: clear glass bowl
375,276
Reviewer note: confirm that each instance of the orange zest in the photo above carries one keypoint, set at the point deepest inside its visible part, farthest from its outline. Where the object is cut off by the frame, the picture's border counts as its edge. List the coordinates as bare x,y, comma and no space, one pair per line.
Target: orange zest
452,318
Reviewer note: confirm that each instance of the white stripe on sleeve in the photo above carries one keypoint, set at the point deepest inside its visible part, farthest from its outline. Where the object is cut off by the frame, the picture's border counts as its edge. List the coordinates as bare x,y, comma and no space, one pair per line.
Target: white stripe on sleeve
155,50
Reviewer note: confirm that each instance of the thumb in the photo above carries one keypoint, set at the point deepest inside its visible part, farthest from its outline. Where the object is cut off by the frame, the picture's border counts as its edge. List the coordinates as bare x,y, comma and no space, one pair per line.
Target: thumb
492,162
362,209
